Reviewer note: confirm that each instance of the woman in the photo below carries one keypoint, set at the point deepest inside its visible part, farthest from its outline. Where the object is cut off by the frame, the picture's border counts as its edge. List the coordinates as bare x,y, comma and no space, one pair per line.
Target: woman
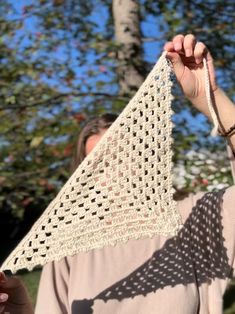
187,273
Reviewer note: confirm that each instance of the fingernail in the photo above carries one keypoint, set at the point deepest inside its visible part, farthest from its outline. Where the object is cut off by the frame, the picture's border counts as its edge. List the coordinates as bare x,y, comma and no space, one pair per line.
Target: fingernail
188,52
3,297
178,46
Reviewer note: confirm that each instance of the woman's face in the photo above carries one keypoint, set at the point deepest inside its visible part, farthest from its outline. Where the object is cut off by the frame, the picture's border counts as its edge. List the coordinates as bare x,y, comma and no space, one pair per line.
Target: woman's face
93,140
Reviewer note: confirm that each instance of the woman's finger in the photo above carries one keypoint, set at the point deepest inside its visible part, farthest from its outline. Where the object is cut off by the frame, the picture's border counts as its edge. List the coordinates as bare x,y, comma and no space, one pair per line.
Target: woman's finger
169,46
178,43
200,52
189,44
3,297
177,63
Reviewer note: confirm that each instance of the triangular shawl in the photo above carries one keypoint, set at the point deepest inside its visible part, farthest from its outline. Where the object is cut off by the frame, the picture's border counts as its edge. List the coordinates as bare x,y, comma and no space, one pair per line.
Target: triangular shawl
122,190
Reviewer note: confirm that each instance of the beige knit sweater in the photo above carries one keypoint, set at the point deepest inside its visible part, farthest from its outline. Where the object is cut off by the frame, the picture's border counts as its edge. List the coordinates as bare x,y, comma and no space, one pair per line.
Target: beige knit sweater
184,274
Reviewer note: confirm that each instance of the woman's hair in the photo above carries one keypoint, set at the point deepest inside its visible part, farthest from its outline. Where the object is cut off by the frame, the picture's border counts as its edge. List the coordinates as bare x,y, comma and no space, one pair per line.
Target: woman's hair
91,127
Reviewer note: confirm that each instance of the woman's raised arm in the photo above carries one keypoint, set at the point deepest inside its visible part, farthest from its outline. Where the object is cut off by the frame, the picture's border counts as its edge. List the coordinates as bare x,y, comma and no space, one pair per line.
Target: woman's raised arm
186,55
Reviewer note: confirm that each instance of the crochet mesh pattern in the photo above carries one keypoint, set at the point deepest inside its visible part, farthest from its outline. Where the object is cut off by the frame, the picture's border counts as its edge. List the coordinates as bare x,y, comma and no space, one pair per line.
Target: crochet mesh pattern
122,190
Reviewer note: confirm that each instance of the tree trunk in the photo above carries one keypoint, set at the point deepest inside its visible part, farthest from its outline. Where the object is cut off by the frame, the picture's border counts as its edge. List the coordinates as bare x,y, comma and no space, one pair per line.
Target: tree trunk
131,69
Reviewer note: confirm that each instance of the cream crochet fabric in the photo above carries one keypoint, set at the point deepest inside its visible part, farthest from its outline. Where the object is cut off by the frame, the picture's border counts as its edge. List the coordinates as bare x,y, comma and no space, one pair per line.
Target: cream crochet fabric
122,190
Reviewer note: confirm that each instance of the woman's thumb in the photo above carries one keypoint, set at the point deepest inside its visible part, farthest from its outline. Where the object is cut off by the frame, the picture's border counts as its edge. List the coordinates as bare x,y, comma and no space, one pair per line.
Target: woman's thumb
177,64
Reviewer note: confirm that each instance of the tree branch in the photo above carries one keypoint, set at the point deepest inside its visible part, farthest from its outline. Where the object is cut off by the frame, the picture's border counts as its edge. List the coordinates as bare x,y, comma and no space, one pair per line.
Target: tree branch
153,39
51,100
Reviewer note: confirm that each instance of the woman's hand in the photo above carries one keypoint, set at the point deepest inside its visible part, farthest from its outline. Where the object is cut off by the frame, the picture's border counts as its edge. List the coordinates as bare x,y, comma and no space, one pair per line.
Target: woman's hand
186,55
13,296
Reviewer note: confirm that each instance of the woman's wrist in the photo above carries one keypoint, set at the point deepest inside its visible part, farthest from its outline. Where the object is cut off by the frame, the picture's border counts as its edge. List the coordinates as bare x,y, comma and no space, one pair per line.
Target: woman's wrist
201,104
225,111
224,107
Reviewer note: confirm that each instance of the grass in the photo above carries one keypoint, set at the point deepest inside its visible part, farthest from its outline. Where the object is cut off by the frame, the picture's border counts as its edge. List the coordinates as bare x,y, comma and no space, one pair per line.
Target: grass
229,299
31,281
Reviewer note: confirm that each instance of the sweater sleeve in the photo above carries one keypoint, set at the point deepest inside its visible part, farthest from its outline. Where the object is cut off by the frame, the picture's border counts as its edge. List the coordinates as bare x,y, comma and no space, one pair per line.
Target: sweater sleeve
228,225
53,289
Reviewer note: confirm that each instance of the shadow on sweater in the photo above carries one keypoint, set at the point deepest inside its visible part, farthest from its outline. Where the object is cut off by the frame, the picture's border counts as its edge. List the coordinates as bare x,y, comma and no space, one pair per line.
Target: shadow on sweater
196,255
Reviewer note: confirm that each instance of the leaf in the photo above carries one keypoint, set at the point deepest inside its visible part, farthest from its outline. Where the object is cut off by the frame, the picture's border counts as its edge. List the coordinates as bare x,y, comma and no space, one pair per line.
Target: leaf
36,141
11,100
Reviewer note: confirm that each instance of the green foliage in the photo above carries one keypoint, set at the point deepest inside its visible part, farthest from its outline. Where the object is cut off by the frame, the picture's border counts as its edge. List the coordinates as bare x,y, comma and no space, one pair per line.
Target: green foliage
31,281
229,303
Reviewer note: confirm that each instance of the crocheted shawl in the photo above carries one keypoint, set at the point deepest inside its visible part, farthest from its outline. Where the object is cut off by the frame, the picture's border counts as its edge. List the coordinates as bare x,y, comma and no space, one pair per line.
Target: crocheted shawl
122,190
